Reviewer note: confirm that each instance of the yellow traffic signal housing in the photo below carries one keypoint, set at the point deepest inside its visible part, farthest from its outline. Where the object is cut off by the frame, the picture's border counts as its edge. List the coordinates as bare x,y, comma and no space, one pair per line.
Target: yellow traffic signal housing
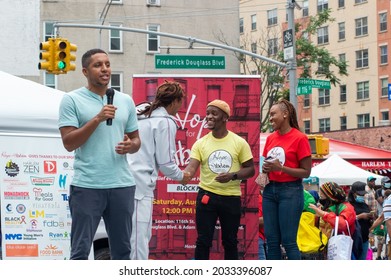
47,55
70,57
58,56
319,145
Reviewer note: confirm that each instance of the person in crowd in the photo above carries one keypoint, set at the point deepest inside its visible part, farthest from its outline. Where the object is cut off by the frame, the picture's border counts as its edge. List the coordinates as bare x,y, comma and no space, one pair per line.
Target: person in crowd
363,214
315,195
262,245
369,197
103,185
332,199
385,218
287,160
370,200
380,232
225,159
157,131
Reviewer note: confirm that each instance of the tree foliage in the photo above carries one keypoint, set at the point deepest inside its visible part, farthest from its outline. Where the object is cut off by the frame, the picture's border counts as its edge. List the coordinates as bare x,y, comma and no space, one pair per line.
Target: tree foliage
312,59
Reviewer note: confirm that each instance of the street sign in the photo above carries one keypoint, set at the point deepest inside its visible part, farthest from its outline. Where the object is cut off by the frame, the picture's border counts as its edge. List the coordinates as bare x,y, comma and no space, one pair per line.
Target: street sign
389,91
301,90
314,83
288,44
189,62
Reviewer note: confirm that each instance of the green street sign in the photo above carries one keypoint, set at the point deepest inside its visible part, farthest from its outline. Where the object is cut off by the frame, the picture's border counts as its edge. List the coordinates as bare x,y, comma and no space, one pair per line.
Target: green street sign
314,83
189,62
301,90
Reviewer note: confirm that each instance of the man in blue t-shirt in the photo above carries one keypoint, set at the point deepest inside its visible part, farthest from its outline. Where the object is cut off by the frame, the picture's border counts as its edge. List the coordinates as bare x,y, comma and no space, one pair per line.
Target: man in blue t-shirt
103,185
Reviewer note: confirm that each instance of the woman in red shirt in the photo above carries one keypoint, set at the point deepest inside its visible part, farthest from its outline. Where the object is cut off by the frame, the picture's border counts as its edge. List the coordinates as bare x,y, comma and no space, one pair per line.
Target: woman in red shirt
288,160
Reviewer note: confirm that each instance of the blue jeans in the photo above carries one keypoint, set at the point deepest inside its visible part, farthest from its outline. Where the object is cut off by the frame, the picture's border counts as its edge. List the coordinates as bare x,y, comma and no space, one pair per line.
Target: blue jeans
261,249
282,207
227,209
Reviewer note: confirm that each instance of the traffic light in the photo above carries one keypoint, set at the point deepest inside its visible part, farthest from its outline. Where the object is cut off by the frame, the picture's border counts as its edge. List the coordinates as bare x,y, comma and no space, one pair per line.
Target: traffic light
60,54
47,55
319,144
70,57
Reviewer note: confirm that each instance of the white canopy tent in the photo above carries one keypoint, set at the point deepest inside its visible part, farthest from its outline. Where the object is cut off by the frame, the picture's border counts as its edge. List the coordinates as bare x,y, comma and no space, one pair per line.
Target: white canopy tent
27,107
340,171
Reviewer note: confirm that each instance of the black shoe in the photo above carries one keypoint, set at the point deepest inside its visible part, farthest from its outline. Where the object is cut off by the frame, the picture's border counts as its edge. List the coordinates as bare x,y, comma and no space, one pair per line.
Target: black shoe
378,258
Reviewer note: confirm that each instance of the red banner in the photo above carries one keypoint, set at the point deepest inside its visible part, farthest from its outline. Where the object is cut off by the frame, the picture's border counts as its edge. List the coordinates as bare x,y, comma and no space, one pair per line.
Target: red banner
174,229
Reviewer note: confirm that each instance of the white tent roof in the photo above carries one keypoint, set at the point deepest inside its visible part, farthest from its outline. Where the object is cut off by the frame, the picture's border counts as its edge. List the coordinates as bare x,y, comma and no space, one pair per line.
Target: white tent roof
27,107
340,171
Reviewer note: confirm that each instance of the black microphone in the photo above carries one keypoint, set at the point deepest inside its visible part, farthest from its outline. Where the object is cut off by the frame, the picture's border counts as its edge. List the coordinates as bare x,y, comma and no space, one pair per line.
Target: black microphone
110,98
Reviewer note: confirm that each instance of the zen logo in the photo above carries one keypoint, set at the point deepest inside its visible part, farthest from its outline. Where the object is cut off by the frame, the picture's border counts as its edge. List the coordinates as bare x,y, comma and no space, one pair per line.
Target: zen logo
13,236
50,167
36,214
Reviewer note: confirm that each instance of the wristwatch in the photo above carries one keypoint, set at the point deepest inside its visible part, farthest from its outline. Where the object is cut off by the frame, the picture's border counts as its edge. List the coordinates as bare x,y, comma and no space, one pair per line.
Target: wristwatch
235,177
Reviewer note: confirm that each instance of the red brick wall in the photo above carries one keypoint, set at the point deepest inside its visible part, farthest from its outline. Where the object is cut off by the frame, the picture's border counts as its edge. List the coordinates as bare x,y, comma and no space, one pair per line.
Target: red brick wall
375,137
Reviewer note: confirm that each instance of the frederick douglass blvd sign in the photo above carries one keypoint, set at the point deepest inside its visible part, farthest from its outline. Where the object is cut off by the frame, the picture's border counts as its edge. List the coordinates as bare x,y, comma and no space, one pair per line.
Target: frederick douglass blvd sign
189,62
304,86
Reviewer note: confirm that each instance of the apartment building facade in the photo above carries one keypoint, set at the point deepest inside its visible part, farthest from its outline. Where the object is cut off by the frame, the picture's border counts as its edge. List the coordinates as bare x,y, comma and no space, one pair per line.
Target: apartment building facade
130,52
359,34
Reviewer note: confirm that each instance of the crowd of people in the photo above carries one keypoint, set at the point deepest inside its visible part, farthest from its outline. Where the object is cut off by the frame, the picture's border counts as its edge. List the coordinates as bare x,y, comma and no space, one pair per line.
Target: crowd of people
109,134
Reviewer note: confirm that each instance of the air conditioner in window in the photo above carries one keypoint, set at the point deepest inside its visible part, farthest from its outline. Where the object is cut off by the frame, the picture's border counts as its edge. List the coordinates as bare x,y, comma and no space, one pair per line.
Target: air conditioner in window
152,2
384,122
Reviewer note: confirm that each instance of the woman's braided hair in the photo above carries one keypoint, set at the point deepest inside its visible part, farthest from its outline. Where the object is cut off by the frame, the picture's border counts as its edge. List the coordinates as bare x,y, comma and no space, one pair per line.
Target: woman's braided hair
166,93
285,105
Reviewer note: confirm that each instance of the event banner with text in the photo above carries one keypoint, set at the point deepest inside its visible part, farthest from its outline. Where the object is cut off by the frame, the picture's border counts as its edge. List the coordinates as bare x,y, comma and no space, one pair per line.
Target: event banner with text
174,229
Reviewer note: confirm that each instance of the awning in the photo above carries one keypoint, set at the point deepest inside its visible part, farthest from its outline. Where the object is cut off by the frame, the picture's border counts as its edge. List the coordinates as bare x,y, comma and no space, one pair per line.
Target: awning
371,159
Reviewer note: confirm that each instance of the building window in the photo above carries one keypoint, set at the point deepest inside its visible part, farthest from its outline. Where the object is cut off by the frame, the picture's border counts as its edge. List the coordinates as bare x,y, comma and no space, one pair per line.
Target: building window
342,93
384,87
115,39
359,1
272,17
307,127
272,46
324,125
50,80
341,31
361,26
385,115
254,47
116,81
343,122
322,69
342,57
341,3
306,101
241,25
383,22
362,59
116,2
305,8
254,22
363,120
384,54
362,91
48,31
153,40
323,35
323,5
324,96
